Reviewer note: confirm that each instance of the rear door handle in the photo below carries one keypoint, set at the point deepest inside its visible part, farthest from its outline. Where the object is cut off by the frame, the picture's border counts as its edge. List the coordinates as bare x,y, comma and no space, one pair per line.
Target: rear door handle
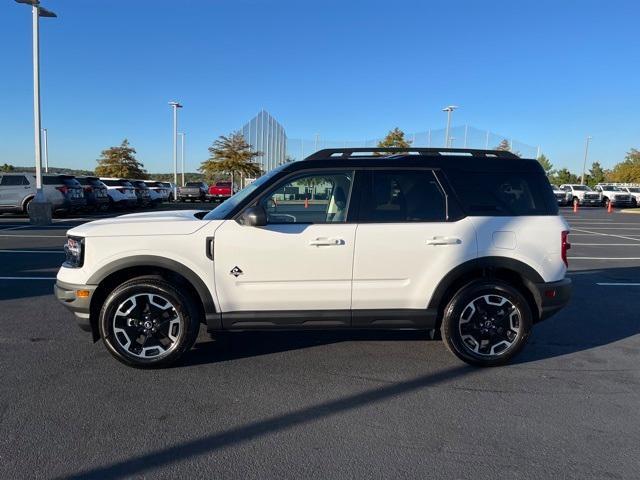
444,241
326,242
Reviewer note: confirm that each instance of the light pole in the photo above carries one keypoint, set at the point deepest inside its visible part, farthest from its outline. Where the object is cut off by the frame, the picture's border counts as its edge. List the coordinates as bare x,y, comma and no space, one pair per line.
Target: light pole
46,150
182,154
39,210
586,154
449,111
175,106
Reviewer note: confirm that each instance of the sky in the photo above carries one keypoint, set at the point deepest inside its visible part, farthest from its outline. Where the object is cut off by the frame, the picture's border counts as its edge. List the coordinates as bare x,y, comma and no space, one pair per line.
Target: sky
545,72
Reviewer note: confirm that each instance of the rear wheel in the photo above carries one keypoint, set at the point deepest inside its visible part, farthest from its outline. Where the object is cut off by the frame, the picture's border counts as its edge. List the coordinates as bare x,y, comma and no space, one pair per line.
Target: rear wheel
147,323
487,323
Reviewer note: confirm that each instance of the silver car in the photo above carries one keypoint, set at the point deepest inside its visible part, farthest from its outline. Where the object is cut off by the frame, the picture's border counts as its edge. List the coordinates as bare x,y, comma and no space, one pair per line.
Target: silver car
18,189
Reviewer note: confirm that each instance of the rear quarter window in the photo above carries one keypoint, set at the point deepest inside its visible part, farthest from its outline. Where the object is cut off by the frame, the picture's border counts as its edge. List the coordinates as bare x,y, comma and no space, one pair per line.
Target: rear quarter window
503,193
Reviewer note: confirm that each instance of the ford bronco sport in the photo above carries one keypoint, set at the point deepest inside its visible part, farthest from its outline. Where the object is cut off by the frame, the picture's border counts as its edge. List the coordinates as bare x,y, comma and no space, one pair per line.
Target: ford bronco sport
467,241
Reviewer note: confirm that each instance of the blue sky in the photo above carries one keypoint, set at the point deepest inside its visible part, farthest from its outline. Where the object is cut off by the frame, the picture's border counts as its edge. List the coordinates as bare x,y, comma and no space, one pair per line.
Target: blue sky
546,72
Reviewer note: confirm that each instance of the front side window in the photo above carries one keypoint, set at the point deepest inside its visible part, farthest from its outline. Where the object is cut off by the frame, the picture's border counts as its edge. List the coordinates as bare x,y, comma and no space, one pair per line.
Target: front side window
10,180
321,197
404,196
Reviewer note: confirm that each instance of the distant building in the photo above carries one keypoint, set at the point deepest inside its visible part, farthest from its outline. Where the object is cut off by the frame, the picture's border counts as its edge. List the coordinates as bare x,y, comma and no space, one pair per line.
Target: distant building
266,135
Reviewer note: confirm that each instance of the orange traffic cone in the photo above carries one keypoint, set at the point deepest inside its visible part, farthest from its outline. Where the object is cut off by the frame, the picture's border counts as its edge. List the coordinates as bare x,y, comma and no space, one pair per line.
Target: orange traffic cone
306,203
609,207
575,207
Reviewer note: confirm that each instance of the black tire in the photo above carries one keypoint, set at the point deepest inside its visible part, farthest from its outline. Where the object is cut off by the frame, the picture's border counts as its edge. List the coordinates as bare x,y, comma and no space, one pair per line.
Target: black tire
480,323
181,311
25,206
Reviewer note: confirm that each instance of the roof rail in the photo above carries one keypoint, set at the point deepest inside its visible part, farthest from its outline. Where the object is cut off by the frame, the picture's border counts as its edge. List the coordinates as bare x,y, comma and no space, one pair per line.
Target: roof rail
364,152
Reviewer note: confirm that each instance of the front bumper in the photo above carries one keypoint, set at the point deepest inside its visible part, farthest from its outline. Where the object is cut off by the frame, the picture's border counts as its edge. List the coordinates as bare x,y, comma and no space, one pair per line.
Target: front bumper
594,202
551,297
66,293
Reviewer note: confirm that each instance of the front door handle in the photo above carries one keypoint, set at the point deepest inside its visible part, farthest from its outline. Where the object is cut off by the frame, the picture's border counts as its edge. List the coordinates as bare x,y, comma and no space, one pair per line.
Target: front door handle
444,241
326,242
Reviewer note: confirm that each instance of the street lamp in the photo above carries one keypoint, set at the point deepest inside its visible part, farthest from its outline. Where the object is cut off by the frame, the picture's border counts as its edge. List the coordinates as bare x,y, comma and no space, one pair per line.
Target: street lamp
46,150
39,209
586,154
175,106
449,111
182,154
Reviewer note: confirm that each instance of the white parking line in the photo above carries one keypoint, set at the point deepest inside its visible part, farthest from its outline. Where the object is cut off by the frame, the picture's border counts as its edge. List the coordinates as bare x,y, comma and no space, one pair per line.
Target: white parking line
32,251
612,284
27,278
603,258
608,235
605,244
33,236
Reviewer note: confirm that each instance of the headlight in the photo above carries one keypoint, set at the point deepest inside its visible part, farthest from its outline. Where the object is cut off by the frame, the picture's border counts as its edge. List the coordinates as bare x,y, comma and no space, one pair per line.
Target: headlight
74,250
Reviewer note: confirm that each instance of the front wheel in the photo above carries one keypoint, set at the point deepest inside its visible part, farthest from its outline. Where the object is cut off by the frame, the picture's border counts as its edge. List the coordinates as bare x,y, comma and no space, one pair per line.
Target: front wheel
147,323
487,323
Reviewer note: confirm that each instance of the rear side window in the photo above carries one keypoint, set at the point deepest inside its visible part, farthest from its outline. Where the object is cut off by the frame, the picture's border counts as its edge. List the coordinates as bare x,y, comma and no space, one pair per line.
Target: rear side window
12,180
403,196
504,193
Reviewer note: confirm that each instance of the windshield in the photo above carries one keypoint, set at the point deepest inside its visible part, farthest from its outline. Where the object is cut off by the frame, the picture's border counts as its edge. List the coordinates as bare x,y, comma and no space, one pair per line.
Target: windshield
611,188
634,189
222,210
582,188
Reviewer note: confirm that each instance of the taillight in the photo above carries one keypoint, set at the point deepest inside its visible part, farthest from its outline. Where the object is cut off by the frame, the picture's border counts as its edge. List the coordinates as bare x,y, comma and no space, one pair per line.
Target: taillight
63,190
564,246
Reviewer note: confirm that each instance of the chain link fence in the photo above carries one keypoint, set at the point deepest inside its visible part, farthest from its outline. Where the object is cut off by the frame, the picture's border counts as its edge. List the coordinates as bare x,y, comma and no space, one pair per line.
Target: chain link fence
459,137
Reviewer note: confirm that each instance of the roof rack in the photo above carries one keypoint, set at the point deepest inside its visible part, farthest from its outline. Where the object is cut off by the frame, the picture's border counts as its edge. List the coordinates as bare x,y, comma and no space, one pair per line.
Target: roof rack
365,152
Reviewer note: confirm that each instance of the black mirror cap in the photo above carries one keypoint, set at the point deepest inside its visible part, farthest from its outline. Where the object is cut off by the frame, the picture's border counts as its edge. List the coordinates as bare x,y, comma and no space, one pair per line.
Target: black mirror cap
254,217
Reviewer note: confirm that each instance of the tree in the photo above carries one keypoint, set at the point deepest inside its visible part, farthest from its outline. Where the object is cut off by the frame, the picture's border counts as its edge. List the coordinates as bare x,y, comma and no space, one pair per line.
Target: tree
504,146
231,155
565,176
7,168
120,162
596,174
628,171
395,138
546,164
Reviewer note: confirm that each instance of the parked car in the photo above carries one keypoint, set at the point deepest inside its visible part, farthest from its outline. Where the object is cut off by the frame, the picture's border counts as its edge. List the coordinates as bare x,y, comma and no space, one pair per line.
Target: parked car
562,197
172,188
219,191
143,194
73,198
582,195
121,193
18,189
469,242
95,192
635,191
615,195
163,189
193,191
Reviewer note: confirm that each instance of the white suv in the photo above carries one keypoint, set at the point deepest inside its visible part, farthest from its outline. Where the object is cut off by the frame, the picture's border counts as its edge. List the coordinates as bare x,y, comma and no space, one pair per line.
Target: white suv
468,241
617,196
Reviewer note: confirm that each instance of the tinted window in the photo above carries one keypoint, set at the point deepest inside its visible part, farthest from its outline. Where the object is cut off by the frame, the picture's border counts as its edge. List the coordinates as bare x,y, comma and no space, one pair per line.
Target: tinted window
504,193
83,181
9,180
193,184
312,198
70,182
403,196
52,180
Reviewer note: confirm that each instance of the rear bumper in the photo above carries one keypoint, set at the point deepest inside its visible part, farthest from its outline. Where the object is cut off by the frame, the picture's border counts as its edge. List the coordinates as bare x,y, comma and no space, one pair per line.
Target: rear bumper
66,294
552,297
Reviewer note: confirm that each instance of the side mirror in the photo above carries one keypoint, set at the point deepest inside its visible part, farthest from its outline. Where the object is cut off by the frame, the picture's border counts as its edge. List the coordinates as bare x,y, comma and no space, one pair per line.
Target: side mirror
254,217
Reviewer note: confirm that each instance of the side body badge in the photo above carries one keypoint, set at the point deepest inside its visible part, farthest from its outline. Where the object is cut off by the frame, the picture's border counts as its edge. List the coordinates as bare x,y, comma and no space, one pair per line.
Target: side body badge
236,272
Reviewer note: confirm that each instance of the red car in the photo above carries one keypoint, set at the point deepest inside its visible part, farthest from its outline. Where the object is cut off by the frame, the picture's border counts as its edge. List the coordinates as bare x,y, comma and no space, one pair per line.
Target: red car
219,191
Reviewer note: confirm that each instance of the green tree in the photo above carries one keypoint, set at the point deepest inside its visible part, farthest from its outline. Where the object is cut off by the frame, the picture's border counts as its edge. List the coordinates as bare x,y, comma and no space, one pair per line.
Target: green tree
596,174
395,138
7,168
564,176
546,164
628,171
120,162
231,155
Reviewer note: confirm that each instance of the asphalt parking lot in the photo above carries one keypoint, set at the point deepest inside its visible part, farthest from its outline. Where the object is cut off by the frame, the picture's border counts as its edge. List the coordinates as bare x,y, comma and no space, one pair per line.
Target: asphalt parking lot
325,405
